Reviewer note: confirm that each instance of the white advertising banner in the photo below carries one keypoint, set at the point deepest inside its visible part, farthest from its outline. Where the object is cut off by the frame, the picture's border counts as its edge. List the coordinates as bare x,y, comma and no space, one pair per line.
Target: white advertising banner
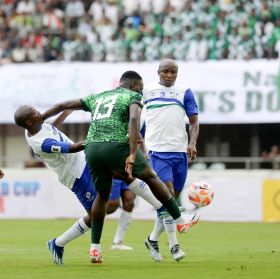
38,194
226,91
237,195
35,194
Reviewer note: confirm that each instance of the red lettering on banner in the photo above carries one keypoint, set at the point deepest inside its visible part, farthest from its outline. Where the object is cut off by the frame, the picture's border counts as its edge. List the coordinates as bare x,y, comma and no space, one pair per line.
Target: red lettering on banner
2,208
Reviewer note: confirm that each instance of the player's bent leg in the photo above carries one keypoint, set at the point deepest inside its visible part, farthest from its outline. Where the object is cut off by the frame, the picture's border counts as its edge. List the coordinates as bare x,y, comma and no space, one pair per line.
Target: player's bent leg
162,193
125,219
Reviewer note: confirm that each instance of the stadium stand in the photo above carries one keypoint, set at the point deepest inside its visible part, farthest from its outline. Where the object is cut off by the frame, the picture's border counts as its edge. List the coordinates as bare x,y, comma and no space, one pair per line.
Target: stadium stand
134,30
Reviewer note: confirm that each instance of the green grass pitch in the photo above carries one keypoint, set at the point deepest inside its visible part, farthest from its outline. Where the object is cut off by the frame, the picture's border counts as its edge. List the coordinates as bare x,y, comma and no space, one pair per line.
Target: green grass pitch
214,250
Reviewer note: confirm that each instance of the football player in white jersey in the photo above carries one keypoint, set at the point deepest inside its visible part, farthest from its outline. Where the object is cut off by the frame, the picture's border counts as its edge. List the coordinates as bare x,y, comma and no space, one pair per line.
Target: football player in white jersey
62,156
166,107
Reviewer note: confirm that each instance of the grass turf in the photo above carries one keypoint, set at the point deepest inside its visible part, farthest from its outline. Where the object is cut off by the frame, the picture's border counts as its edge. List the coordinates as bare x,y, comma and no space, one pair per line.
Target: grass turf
214,250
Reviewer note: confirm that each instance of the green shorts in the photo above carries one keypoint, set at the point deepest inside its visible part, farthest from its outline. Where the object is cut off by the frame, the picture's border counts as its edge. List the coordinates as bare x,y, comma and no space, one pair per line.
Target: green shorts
106,157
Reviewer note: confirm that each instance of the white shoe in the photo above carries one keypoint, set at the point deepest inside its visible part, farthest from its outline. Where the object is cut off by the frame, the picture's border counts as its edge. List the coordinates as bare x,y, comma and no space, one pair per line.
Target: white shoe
154,249
177,253
95,254
121,246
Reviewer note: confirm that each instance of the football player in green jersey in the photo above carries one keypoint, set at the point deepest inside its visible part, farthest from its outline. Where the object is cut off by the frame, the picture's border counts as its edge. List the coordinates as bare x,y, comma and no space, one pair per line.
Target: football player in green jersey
111,150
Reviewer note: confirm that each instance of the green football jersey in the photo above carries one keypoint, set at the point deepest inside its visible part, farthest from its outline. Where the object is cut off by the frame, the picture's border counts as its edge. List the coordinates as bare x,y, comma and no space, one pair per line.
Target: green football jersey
110,114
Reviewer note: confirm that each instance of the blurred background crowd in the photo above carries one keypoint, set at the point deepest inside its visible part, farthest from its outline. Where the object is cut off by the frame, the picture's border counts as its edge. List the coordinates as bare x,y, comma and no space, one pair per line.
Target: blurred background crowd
138,30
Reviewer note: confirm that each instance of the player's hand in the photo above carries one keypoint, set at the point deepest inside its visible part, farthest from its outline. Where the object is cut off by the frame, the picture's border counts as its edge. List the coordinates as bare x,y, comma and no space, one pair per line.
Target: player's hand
130,160
1,174
191,150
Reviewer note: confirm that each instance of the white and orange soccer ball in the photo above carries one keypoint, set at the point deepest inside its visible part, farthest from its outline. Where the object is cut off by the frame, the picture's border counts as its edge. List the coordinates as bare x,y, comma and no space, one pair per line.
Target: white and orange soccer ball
200,193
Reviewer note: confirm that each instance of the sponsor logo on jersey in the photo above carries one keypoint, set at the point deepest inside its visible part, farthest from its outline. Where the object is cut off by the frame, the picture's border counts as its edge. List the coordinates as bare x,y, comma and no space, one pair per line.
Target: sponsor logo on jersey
56,149
88,195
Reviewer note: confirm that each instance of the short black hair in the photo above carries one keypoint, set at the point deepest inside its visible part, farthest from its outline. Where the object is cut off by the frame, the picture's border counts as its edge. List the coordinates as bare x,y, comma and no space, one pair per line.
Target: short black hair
21,115
130,75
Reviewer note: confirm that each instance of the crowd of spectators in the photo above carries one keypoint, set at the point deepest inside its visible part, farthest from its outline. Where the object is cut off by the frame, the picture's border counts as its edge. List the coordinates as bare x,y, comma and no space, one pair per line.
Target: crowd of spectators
272,156
138,30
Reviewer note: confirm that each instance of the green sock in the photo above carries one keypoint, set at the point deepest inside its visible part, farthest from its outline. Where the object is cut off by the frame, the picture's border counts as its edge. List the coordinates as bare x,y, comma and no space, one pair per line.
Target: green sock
96,231
172,208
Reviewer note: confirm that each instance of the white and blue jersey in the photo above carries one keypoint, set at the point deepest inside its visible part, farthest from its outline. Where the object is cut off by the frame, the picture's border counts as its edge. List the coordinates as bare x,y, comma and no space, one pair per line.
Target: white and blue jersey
166,138
52,147
166,108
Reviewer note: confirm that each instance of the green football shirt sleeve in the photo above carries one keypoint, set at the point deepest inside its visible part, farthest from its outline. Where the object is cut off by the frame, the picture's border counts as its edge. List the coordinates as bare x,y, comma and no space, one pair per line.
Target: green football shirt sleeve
136,99
86,102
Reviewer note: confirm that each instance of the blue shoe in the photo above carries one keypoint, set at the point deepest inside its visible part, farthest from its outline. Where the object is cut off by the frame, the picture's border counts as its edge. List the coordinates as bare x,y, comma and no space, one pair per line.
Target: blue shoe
56,252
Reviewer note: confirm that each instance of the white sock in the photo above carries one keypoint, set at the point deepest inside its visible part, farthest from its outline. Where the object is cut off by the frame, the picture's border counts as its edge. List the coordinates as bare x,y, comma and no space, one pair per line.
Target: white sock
124,222
73,232
95,246
140,188
170,228
158,229
180,220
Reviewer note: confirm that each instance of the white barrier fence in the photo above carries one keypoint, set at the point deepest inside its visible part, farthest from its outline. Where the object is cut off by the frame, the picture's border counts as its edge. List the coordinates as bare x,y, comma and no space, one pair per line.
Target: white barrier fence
239,196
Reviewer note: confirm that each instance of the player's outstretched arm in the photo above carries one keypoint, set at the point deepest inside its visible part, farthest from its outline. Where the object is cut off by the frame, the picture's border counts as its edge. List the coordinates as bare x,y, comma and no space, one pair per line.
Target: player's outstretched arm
76,147
60,119
72,105
1,174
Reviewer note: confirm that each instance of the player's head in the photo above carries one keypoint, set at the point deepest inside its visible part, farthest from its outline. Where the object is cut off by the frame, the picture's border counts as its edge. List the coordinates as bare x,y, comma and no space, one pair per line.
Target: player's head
132,80
167,72
28,117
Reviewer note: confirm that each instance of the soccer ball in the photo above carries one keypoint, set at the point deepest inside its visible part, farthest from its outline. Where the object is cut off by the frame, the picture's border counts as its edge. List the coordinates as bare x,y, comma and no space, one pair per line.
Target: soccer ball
200,193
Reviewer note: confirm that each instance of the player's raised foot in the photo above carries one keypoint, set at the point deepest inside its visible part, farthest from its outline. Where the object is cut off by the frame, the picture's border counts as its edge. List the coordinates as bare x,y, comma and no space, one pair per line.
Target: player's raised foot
184,228
56,252
154,249
120,246
177,253
195,218
95,254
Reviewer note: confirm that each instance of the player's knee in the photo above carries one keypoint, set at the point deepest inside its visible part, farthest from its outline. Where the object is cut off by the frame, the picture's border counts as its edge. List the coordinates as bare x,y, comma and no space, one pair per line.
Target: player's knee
169,185
87,220
112,206
128,205
148,174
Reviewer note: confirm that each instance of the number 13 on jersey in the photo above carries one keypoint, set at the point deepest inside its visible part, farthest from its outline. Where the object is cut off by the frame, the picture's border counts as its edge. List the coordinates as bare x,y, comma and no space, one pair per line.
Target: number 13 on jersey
103,104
